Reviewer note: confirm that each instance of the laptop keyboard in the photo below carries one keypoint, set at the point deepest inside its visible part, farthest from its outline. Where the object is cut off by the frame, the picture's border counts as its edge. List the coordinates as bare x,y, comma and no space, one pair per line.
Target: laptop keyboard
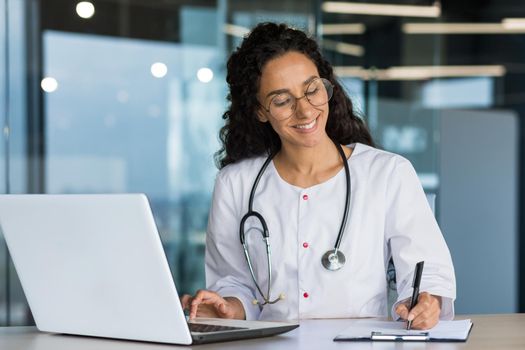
206,328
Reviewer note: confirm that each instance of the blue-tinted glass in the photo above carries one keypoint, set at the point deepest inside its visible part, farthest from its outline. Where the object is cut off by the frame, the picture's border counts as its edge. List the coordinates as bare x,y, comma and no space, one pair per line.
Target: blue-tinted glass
3,111
131,115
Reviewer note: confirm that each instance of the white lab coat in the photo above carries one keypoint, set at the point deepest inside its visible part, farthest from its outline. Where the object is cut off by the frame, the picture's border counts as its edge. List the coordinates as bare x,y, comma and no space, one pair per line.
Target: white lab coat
389,216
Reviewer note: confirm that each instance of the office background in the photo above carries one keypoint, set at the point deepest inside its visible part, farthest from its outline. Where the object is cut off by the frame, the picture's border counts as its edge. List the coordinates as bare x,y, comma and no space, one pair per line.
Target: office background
113,96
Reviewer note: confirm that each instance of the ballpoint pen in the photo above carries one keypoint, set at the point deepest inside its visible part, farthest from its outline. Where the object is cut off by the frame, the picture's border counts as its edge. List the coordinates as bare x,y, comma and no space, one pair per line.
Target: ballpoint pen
415,284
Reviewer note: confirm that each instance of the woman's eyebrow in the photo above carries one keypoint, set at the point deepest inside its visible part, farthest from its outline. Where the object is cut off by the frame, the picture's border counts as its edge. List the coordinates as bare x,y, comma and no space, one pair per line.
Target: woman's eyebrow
280,91
309,80
277,92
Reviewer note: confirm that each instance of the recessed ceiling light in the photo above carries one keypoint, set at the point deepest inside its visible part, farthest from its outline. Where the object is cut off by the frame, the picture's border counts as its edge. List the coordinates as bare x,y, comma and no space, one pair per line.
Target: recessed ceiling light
205,75
49,84
159,69
85,9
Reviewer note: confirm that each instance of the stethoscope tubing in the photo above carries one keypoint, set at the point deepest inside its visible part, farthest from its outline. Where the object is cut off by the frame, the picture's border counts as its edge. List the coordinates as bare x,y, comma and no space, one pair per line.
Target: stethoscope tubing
266,235
348,195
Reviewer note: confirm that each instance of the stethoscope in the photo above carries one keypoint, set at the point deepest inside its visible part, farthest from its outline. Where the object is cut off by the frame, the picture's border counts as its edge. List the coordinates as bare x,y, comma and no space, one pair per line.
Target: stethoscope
332,260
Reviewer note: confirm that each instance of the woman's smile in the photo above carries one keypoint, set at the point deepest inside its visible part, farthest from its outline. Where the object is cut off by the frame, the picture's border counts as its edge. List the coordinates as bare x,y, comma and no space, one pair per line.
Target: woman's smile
306,127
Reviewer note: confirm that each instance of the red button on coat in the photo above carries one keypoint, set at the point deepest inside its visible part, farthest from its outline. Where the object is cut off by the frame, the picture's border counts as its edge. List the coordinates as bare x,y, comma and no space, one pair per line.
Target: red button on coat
305,295
305,197
305,245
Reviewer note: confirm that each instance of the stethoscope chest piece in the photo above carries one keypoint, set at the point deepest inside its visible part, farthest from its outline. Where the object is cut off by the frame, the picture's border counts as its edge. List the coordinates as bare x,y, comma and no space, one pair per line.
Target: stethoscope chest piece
333,260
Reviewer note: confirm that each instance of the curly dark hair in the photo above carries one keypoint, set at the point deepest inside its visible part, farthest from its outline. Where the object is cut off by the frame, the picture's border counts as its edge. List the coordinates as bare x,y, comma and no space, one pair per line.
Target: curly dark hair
243,135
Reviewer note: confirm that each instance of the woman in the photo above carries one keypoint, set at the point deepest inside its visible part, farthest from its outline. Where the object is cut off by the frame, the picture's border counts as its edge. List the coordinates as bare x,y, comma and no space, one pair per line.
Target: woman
288,109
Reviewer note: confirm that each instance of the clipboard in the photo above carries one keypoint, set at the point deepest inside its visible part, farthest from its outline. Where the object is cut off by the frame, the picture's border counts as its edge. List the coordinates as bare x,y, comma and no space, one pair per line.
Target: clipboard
392,331
380,336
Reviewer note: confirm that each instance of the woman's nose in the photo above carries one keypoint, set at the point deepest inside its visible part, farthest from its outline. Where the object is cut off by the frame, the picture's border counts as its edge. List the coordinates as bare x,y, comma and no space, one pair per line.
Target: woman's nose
304,108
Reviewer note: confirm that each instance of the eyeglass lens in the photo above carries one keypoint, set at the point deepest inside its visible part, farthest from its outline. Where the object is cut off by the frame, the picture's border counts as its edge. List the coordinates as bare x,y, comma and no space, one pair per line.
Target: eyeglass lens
318,93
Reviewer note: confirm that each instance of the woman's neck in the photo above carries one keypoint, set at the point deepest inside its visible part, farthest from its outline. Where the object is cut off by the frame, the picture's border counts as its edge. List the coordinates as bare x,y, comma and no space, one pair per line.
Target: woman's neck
308,166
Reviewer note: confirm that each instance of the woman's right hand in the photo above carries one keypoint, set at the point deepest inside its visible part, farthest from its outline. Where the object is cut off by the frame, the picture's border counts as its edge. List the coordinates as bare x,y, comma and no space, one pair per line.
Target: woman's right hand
206,303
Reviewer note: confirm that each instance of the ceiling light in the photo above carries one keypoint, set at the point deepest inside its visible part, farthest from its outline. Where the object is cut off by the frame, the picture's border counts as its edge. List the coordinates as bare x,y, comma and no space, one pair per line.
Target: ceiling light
358,8
461,28
159,69
513,23
49,84
331,29
420,72
344,48
85,9
205,75
234,30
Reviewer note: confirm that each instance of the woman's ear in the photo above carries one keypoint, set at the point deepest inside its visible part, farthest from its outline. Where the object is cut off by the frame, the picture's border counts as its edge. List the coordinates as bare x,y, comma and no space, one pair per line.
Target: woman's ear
261,115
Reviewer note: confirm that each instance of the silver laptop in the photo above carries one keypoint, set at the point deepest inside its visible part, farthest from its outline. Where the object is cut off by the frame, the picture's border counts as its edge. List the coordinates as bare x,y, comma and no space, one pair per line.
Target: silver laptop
94,265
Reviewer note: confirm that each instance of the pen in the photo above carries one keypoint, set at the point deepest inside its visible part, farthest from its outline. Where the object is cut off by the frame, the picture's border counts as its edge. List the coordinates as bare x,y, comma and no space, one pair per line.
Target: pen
415,284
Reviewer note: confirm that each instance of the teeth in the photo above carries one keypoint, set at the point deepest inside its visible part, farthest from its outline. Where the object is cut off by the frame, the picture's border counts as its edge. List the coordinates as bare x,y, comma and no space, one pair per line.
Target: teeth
306,126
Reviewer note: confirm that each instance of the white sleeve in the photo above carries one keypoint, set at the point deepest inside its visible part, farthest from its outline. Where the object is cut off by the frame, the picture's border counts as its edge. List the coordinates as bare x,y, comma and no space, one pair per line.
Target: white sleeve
226,269
414,235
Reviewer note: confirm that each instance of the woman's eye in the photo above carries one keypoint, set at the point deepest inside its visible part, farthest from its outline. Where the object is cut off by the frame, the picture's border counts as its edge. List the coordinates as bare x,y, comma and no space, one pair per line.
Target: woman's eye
312,91
281,101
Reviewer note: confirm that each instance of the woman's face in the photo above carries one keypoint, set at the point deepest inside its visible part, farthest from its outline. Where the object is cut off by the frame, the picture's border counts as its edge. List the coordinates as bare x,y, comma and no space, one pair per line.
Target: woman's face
291,74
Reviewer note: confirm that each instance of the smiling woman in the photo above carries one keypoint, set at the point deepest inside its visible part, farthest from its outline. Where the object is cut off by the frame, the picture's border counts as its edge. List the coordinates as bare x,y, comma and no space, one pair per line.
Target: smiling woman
297,166
246,133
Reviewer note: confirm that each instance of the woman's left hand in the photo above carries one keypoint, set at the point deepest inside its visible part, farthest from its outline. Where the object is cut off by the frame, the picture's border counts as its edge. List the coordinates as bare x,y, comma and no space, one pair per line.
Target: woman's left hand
425,314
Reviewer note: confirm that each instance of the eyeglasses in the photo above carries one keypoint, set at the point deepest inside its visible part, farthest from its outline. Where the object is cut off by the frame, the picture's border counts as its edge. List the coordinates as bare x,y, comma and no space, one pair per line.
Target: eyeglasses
318,92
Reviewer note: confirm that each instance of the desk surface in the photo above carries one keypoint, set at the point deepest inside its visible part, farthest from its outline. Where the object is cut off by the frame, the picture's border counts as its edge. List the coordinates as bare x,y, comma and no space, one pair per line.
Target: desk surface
489,332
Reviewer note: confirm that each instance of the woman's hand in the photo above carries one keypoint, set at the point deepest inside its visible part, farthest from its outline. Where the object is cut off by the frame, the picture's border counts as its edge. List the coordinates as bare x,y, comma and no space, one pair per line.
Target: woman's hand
206,303
425,314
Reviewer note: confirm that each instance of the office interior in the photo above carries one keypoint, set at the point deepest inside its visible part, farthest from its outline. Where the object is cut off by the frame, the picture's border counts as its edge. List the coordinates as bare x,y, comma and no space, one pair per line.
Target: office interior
113,96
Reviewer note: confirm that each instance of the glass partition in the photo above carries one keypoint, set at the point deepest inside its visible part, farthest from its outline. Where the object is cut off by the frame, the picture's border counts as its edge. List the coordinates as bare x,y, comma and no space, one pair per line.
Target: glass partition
436,90
4,257
13,150
136,107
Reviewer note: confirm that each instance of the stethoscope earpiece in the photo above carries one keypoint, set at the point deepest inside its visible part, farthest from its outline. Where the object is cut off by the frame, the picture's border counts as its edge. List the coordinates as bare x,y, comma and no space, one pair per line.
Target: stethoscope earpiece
282,296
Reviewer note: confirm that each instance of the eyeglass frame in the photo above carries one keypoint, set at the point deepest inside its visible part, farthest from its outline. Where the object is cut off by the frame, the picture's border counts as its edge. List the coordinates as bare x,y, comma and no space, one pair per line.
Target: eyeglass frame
267,109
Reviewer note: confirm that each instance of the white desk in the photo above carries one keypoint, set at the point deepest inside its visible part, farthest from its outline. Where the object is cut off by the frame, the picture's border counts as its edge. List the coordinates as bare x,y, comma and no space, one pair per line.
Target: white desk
498,332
